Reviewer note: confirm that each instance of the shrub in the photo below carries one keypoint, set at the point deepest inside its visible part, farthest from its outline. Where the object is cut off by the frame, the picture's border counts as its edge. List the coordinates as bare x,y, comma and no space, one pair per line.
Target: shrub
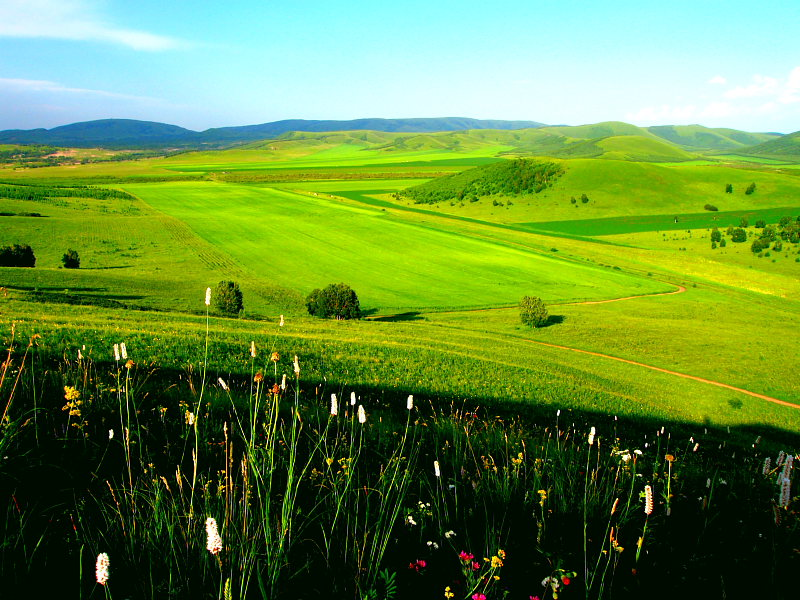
710,207
716,236
750,189
584,198
760,224
744,222
228,298
17,256
532,311
729,188
71,259
759,245
739,235
338,300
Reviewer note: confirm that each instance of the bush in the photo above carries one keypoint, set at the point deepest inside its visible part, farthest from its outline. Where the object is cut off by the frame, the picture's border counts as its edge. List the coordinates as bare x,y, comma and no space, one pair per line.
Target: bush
760,224
584,198
750,189
729,188
17,256
71,259
228,298
532,311
716,235
710,207
338,300
739,235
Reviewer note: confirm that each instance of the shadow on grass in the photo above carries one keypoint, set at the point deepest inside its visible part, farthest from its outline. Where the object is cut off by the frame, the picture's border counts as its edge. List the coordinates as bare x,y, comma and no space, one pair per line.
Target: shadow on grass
406,316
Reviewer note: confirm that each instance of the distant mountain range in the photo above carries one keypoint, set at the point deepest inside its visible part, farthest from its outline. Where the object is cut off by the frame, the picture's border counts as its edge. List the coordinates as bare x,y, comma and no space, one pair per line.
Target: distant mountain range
610,139
129,132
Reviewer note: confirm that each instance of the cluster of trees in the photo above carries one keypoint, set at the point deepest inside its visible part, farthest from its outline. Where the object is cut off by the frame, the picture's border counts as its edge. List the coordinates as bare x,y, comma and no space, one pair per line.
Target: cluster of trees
749,190
584,199
18,255
787,230
503,178
37,193
338,300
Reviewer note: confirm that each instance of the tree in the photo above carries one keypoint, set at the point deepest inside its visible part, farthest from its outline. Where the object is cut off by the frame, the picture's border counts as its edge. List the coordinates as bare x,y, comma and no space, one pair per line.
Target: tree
716,235
532,311
337,300
744,222
750,189
17,256
729,188
739,235
228,298
71,259
584,198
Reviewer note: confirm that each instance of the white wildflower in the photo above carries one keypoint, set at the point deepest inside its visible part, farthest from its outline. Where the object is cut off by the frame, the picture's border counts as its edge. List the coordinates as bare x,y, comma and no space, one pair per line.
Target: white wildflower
222,383
281,323
352,398
213,540
111,434
116,352
208,296
101,568
436,470
334,406
123,351
591,436
410,402
252,349
449,534
362,416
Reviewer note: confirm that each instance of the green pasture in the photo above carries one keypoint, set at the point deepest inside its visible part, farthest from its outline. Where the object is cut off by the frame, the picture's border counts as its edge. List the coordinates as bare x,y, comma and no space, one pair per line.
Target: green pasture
394,262
639,223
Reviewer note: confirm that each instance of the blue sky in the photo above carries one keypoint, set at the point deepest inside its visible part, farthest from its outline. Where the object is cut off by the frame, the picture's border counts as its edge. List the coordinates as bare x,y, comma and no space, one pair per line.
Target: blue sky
719,63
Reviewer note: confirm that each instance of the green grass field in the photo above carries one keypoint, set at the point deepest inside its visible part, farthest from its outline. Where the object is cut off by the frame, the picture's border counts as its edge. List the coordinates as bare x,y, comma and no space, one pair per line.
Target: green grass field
429,264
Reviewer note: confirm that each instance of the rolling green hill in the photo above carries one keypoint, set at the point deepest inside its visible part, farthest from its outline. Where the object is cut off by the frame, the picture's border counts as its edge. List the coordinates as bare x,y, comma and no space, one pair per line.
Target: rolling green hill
787,146
697,137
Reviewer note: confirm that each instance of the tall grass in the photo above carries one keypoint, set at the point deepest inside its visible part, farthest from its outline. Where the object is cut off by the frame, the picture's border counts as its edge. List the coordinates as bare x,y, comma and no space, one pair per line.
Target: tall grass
354,497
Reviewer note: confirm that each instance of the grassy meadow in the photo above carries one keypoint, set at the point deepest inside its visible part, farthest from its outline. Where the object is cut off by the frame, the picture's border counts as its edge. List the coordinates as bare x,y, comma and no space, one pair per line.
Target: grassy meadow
436,447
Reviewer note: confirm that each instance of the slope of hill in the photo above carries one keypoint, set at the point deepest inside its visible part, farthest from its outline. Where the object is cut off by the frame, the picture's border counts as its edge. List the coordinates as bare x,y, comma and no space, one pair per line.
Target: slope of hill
105,132
697,137
787,146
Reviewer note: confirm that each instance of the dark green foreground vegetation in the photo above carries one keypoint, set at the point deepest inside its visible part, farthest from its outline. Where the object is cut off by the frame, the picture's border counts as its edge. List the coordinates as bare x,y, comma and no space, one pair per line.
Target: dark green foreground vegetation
380,496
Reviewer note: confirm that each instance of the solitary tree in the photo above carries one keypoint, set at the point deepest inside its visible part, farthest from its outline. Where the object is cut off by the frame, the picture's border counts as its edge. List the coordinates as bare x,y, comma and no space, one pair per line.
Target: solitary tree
71,259
729,188
750,189
338,300
228,298
716,235
532,311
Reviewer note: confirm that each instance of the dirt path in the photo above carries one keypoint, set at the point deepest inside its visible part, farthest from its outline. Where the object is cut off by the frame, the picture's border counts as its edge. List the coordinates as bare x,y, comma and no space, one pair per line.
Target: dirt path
676,373
681,289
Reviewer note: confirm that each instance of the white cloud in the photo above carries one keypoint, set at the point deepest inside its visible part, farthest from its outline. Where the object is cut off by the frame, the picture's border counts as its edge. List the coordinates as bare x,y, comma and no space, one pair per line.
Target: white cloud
39,85
659,115
761,86
718,80
73,20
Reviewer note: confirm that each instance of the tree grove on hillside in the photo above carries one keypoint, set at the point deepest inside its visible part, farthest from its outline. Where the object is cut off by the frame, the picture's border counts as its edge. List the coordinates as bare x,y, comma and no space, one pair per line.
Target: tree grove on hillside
228,298
338,300
532,311
17,256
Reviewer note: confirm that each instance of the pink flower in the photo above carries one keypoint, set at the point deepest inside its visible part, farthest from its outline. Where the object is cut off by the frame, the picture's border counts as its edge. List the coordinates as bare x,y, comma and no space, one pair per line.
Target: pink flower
533,597
417,565
476,565
478,597
466,557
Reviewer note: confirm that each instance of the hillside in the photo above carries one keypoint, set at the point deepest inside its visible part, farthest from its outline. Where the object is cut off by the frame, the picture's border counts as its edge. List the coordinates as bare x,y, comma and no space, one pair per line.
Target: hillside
506,178
129,132
697,137
787,146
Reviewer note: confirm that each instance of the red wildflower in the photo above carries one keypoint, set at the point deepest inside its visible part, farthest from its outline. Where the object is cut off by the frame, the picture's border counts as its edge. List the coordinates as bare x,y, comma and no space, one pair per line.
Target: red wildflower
566,580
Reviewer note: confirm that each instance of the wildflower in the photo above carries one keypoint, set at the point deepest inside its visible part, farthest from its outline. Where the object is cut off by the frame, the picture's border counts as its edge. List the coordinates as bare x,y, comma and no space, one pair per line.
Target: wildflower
476,565
281,323
116,352
362,416
449,534
71,394
417,565
296,366
669,458
466,557
448,593
591,436
111,434
129,365
101,568
189,418
410,520
283,382
648,500
787,467
259,377
410,402
614,508
786,489
334,406
252,349
123,351
497,562
696,446
767,466
433,545
501,553
275,357
478,596
213,541
566,580
208,296
276,389
352,398
222,384
80,356
436,470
